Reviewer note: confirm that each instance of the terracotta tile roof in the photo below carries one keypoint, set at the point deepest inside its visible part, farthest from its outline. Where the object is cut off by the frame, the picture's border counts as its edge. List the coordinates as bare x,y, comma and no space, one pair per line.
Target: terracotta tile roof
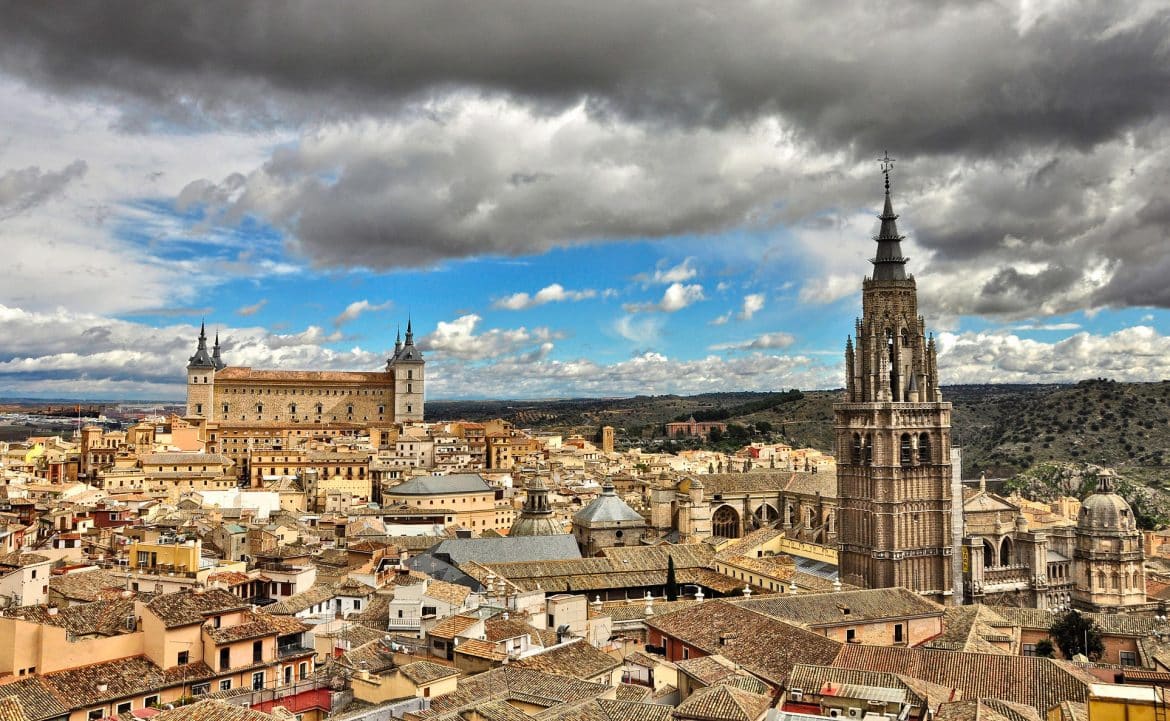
11,709
424,672
544,689
213,710
371,656
577,658
452,626
636,610
723,703
38,699
498,628
1037,682
86,585
976,629
105,618
481,649
376,614
20,560
231,578
764,646
631,692
188,607
1120,624
986,709
811,678
847,607
123,678
707,670
257,625
450,593
304,600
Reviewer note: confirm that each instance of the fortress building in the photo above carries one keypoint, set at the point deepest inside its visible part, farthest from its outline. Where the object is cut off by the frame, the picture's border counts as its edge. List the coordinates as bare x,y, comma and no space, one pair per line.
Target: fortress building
242,409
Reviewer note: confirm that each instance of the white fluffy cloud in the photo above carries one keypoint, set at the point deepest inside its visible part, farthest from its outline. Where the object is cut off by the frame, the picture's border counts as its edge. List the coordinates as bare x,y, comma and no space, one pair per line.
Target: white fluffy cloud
554,293
357,308
457,339
676,297
662,275
752,303
767,341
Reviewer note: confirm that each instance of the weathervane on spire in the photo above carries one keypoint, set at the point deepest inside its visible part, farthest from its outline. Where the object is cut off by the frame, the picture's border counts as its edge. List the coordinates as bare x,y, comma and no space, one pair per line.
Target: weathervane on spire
887,163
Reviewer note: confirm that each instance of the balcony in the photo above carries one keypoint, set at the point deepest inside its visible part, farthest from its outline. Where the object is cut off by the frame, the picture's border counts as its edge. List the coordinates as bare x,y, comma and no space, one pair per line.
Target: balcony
284,651
1019,573
404,623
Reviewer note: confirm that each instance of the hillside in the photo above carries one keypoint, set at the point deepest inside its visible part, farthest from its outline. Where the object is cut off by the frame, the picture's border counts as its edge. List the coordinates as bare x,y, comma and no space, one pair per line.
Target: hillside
1003,429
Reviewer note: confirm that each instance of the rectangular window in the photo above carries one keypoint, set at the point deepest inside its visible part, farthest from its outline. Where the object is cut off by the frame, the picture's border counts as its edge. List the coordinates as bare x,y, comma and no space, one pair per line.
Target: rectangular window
258,681
257,651
1128,658
898,633
850,635
1028,649
225,684
124,707
200,688
304,670
225,659
96,715
151,701
184,658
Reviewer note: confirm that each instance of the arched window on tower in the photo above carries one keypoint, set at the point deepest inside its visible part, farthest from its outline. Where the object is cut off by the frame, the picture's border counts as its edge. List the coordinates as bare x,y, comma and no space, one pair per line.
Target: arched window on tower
893,353
924,448
988,554
1005,552
868,449
906,456
857,449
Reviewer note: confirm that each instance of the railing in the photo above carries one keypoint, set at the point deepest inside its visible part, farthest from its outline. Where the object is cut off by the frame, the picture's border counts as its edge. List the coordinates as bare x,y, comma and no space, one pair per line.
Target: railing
403,623
1006,574
293,650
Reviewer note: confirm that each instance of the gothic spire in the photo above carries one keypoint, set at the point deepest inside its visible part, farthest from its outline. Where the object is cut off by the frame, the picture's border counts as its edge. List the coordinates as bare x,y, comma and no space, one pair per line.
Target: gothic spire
889,263
409,333
219,364
201,359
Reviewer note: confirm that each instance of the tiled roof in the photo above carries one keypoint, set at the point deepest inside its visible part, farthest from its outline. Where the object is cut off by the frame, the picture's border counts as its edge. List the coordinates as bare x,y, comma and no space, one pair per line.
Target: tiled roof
424,672
213,710
708,670
449,593
231,578
723,703
371,656
478,648
577,658
1037,682
376,613
1121,624
545,689
257,625
106,618
304,600
38,698
187,607
636,610
86,585
20,560
498,628
631,692
11,709
185,459
619,567
452,626
974,628
846,607
811,678
441,485
986,709
82,685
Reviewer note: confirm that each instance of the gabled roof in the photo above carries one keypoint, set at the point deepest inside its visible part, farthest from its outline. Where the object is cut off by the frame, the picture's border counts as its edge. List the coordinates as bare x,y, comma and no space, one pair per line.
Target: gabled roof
441,485
38,699
834,609
188,607
577,659
723,703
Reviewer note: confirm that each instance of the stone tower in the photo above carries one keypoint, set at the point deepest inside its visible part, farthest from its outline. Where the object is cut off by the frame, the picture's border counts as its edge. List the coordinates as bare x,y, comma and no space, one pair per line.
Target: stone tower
201,369
1108,573
407,365
893,434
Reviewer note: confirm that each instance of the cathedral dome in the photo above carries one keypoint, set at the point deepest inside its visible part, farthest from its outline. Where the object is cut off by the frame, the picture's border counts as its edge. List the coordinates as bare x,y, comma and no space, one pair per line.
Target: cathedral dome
1105,510
607,509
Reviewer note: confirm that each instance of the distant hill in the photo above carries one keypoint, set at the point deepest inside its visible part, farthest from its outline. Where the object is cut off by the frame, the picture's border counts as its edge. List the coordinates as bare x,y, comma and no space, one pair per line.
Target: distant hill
1003,429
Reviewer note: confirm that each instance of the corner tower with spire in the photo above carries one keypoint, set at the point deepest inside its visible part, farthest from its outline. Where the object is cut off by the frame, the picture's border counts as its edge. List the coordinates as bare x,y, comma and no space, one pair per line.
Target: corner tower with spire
893,436
408,367
201,369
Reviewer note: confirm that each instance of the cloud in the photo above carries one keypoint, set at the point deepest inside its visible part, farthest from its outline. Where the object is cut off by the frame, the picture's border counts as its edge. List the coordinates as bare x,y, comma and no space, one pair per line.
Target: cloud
644,329
1047,326
554,293
676,297
357,308
752,303
458,339
253,309
722,319
684,271
27,188
767,341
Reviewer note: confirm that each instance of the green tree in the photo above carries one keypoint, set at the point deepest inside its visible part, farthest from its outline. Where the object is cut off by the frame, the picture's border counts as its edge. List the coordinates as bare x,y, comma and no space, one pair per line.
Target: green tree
1074,633
671,581
1044,648
715,435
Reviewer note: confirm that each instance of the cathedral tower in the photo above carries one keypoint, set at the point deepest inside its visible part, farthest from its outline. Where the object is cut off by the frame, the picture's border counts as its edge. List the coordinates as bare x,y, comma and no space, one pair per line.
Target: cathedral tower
893,435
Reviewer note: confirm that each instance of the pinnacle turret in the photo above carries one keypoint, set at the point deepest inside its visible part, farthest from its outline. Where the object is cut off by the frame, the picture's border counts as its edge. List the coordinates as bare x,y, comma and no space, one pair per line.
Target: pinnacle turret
888,263
215,358
201,359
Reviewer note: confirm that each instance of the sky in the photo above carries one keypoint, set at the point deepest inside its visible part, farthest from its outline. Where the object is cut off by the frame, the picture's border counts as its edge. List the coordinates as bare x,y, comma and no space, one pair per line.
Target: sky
577,198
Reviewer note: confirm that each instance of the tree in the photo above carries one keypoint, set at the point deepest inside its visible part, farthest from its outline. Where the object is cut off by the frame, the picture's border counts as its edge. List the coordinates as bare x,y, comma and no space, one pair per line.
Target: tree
714,435
1073,634
1044,648
671,581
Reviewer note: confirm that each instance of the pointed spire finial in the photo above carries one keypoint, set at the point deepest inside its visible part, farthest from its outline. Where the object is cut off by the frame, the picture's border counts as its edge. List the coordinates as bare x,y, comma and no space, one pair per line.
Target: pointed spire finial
887,164
409,331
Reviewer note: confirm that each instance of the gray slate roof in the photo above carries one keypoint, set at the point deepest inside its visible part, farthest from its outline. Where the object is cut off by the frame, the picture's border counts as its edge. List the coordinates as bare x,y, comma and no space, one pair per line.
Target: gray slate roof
607,508
507,549
435,485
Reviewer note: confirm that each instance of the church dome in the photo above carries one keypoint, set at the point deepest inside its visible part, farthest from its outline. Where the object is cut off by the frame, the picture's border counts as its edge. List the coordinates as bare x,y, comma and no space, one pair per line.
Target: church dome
1105,510
607,509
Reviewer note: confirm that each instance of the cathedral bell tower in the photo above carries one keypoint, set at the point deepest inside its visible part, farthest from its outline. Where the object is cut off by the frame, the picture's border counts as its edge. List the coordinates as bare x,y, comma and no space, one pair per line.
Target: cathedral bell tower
893,436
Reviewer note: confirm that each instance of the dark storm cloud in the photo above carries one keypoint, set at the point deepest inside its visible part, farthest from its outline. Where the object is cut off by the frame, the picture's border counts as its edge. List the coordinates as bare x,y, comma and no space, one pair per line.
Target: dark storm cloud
1031,147
935,76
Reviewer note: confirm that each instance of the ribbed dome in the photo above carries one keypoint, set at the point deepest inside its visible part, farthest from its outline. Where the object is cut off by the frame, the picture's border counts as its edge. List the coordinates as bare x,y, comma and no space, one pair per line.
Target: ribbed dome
607,508
1105,510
